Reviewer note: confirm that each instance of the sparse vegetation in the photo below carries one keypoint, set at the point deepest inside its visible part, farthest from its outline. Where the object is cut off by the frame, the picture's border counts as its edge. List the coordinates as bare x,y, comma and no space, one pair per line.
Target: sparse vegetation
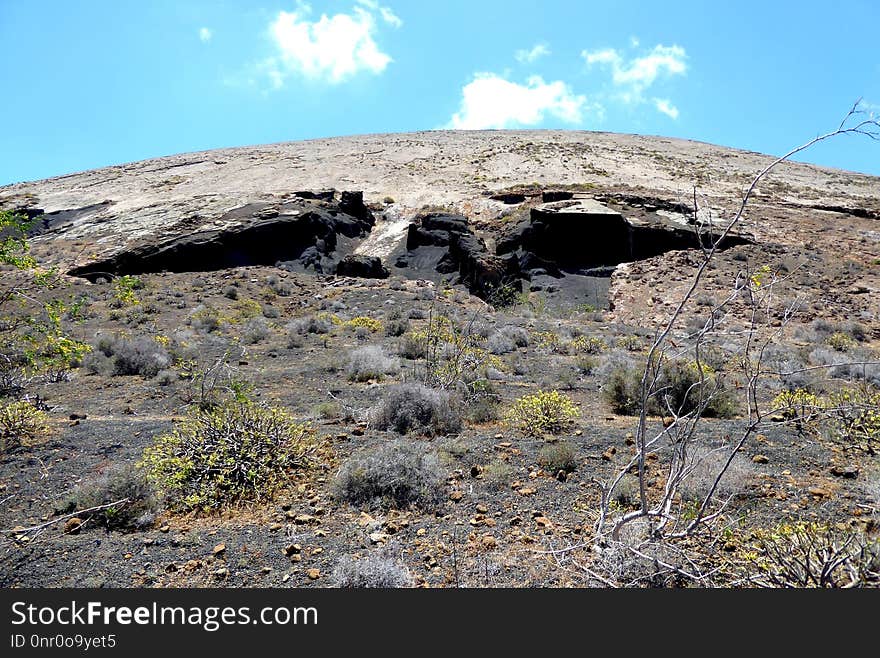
544,412
371,571
414,407
124,482
370,362
236,452
397,474
21,424
558,456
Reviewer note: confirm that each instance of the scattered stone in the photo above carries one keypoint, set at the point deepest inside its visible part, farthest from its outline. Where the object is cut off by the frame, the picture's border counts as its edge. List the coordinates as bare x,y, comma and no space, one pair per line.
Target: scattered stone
378,537
292,549
849,472
489,542
73,525
219,550
456,495
561,475
482,509
760,459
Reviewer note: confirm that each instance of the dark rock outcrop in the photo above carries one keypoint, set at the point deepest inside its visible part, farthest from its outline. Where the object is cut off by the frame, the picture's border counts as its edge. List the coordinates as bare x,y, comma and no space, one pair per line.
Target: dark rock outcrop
584,235
445,244
366,267
306,232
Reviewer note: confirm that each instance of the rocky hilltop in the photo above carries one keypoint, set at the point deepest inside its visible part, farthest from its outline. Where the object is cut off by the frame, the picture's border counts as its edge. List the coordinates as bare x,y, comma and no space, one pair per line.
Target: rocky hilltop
434,344
513,195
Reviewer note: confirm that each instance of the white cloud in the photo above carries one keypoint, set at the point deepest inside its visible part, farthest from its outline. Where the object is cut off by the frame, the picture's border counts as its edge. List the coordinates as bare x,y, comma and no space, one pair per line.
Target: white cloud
490,101
640,72
205,34
631,77
386,13
535,52
666,107
330,49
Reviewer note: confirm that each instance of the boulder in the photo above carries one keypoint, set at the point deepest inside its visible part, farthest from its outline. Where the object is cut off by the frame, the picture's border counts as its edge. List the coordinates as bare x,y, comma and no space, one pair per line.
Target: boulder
366,267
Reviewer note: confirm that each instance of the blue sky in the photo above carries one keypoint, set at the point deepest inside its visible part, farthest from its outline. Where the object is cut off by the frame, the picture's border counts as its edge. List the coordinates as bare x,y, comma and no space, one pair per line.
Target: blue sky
94,83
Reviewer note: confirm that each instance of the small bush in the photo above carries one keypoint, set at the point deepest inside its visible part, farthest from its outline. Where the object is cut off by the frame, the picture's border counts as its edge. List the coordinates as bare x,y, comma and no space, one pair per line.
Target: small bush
518,335
373,571
363,322
413,346
498,473
588,345
705,465
626,493
329,410
396,327
398,474
805,554
840,342
558,456
500,343
121,356
310,324
120,482
542,413
681,386
21,424
205,319
630,343
484,409
586,364
370,362
271,312
256,330
234,452
414,407
230,292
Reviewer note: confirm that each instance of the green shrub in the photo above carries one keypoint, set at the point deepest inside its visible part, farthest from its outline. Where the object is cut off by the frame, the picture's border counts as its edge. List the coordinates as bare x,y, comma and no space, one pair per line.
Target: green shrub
21,424
121,482
398,474
124,291
558,456
681,386
543,412
238,451
841,342
811,555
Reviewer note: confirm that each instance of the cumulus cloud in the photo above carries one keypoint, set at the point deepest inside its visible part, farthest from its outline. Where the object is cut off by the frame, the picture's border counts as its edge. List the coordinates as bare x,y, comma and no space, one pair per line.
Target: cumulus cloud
205,34
640,72
490,101
632,77
331,49
527,56
666,107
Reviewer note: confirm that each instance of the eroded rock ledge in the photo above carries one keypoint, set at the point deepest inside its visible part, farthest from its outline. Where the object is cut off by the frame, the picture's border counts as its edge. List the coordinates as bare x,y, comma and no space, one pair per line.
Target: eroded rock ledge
311,231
